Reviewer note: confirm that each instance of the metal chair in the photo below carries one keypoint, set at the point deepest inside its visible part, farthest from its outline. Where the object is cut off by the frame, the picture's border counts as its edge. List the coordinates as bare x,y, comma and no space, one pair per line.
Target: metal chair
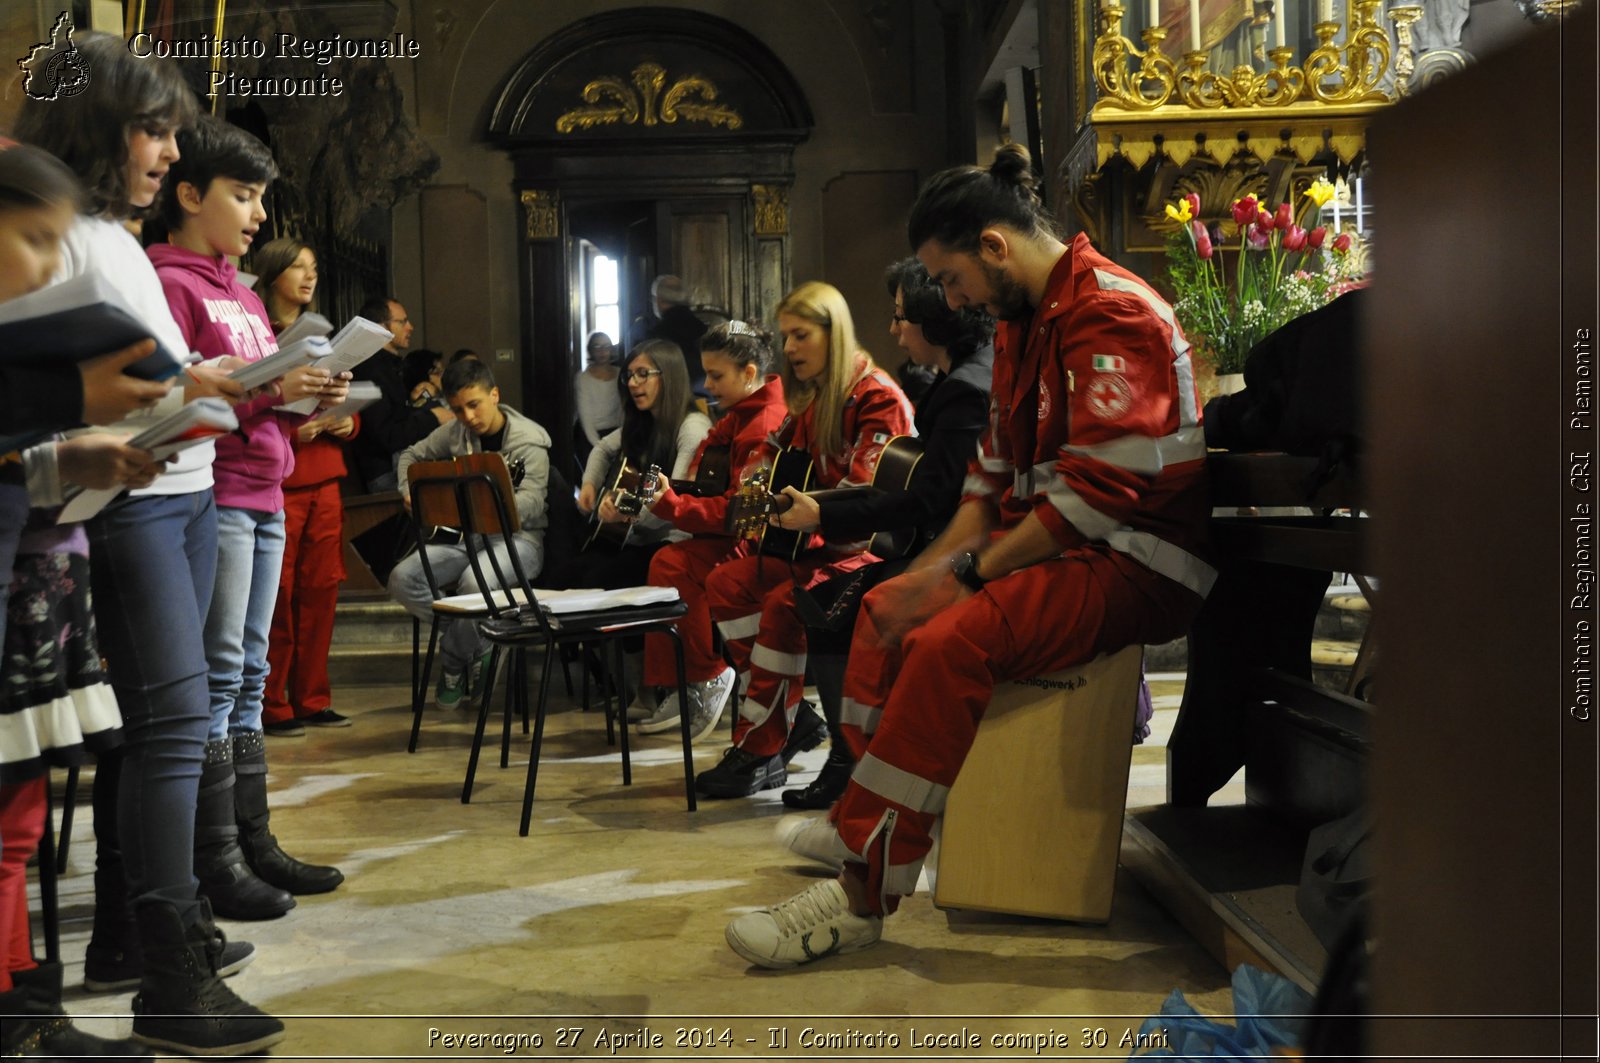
517,623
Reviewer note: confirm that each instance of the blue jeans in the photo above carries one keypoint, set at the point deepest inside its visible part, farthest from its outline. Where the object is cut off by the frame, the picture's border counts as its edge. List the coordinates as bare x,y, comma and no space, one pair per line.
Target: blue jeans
153,562
249,564
460,642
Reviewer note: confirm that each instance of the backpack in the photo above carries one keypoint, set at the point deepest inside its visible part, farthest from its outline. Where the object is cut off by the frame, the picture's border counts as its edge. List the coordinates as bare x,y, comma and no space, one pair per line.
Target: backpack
1302,392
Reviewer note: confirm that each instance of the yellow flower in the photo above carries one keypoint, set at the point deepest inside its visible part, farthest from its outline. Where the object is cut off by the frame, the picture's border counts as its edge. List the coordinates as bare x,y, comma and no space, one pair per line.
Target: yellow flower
1320,192
1181,212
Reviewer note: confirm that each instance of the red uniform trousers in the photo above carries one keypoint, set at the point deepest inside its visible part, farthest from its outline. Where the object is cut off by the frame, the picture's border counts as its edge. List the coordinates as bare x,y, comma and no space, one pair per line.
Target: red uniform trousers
308,592
22,808
686,566
911,710
752,602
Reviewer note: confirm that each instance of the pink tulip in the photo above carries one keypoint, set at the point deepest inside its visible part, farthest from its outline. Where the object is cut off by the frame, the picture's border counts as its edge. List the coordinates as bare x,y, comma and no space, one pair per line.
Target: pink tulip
1202,241
1194,204
1264,221
1283,218
1244,211
1294,238
1257,237
1341,243
1315,237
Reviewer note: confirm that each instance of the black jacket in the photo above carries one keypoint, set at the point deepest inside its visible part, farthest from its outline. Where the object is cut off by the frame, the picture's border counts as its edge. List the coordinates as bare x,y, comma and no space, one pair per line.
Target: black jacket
683,327
389,425
953,414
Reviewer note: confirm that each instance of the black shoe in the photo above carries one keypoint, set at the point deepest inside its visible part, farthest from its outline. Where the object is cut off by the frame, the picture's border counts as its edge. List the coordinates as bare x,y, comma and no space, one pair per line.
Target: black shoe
808,731
234,890
261,850
741,774
182,1005
117,970
36,1025
286,729
327,718
826,788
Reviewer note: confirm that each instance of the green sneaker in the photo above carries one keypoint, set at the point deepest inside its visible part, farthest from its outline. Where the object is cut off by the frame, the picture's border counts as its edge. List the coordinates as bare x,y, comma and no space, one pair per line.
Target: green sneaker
452,688
478,676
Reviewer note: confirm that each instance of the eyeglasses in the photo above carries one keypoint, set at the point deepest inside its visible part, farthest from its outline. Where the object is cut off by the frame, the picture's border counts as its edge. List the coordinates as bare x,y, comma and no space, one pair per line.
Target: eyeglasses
639,376
900,319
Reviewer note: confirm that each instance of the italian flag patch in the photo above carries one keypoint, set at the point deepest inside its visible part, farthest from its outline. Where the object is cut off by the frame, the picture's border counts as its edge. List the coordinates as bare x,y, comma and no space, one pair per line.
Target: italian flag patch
1110,363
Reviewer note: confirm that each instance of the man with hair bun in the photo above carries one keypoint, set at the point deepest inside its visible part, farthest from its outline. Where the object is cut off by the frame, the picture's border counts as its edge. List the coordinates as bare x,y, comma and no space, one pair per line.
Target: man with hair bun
1080,532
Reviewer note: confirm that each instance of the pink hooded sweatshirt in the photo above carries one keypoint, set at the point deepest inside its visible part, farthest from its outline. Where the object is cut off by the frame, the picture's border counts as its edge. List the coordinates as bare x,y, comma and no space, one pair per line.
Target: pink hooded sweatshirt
220,316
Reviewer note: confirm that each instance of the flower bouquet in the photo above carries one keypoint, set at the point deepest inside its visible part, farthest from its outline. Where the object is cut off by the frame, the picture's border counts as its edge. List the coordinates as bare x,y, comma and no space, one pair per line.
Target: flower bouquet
1281,271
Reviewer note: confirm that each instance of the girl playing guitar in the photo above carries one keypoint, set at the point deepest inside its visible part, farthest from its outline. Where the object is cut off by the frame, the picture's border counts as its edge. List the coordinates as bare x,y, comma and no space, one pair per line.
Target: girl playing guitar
843,409
736,358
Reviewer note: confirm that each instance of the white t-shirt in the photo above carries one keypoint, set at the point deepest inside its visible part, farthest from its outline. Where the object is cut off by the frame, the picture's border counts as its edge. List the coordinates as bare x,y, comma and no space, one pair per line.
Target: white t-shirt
108,249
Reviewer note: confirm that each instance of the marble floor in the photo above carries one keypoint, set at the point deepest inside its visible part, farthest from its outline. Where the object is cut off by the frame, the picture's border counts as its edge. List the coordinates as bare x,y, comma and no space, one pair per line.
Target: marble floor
454,938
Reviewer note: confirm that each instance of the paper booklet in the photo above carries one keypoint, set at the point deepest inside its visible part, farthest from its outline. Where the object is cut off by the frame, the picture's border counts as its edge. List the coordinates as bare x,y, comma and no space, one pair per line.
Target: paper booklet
363,393
78,319
359,340
282,361
570,601
187,426
307,324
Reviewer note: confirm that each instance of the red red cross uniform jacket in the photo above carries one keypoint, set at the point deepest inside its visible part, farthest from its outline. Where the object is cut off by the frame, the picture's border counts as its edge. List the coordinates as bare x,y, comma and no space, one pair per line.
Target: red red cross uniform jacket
744,429
1095,427
752,598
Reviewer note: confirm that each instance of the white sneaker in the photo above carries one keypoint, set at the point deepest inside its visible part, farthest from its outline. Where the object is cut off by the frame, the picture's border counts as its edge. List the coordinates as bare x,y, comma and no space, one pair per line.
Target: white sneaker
814,838
814,923
708,702
665,718
646,703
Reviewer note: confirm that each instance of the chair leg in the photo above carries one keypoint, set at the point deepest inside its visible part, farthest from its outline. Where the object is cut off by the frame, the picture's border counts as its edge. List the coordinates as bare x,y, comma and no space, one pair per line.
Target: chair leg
477,732
620,713
516,677
68,806
538,736
419,689
566,674
683,718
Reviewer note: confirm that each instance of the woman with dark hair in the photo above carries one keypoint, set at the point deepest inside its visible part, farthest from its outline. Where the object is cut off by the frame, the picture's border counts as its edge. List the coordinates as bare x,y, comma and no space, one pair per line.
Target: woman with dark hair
955,344
661,427
286,280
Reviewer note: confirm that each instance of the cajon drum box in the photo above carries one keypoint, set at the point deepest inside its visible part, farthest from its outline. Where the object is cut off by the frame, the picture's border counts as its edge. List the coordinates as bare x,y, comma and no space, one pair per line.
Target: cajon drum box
1033,823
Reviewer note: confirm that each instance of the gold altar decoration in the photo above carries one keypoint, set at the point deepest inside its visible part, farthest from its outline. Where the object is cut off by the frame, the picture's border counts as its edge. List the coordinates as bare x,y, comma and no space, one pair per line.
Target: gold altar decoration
544,214
772,210
612,101
1152,106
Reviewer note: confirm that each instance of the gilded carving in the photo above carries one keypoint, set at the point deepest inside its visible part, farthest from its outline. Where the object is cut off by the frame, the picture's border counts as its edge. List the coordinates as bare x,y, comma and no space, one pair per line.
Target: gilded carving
772,210
544,214
612,101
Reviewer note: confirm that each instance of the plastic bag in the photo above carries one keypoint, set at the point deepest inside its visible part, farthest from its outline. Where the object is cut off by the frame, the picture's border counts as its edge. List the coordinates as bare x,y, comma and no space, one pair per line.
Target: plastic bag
1269,1008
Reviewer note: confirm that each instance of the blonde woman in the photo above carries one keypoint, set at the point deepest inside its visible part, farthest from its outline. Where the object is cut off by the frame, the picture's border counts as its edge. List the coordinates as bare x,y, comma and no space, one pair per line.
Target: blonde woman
843,409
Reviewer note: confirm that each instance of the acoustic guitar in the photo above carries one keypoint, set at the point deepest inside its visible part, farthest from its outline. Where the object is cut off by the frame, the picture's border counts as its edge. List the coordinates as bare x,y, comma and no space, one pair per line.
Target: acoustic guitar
631,492
761,495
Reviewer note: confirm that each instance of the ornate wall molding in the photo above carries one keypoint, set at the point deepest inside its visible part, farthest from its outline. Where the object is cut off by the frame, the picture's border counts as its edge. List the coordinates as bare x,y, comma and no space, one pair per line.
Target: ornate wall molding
611,101
772,210
544,213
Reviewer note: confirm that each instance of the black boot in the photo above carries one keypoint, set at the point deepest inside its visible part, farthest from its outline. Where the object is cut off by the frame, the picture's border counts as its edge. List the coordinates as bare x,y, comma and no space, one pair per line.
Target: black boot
225,879
828,669
36,1027
182,1004
260,847
807,732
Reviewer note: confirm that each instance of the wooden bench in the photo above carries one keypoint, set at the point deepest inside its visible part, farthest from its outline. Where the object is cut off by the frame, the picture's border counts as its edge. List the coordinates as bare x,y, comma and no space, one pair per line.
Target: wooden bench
1034,821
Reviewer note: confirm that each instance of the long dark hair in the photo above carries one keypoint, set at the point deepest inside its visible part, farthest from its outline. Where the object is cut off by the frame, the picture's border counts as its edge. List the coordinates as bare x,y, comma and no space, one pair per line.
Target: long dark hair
89,131
740,344
30,177
650,437
960,332
269,262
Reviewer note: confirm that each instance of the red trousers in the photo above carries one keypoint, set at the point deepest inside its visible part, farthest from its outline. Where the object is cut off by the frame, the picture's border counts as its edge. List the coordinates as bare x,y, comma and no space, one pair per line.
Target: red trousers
752,602
686,566
308,592
21,826
912,707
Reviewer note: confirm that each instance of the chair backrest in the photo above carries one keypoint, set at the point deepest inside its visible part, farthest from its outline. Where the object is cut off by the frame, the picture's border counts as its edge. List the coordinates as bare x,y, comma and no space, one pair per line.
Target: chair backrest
487,503
438,501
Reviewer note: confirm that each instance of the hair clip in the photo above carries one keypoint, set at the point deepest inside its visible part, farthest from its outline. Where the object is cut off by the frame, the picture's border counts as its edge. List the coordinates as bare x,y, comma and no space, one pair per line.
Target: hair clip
739,328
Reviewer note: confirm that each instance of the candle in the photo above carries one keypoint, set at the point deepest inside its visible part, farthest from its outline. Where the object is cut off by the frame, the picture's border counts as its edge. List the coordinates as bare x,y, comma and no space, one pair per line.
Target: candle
1154,18
1277,23
1360,211
1324,10
1194,25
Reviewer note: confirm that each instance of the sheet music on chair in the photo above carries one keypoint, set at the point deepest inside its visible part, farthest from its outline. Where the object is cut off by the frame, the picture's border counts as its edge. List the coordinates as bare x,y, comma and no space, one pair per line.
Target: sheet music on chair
584,601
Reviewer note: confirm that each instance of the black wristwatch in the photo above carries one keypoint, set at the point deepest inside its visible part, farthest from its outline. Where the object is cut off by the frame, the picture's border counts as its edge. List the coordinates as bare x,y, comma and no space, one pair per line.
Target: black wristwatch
965,567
